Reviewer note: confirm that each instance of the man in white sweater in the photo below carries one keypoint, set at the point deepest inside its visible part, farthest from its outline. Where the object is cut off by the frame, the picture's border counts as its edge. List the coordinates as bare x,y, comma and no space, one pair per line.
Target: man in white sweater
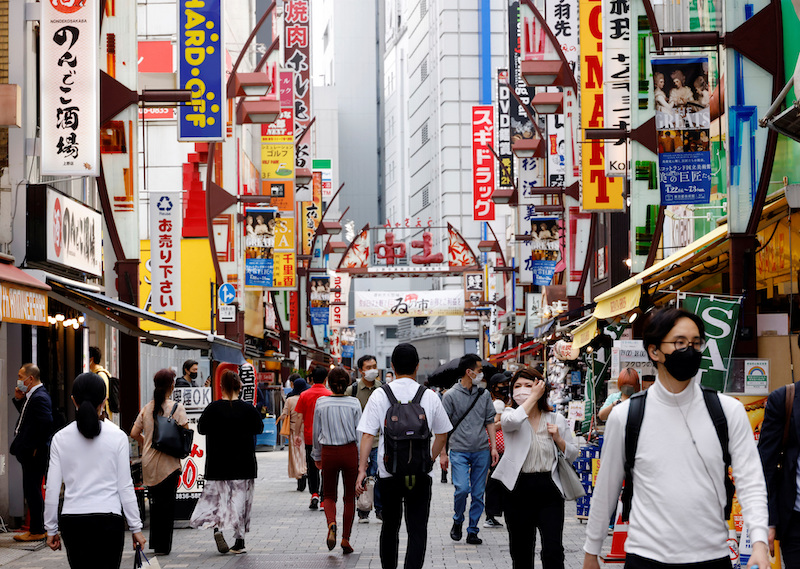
679,498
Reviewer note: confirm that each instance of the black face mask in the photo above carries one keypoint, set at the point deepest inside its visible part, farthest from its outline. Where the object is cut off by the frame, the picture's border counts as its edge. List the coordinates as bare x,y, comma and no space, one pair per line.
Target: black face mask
193,375
683,365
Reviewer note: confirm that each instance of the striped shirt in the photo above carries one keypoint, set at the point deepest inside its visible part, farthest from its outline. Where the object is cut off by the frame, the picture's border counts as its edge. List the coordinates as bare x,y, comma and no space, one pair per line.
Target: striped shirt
335,422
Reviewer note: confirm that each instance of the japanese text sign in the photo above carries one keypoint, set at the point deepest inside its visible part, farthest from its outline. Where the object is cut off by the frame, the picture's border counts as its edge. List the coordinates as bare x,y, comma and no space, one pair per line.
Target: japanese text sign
166,218
297,57
200,59
482,162
70,88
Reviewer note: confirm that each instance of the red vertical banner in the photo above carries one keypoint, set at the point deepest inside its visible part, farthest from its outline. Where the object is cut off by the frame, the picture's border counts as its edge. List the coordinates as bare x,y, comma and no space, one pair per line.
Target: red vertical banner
482,162
294,314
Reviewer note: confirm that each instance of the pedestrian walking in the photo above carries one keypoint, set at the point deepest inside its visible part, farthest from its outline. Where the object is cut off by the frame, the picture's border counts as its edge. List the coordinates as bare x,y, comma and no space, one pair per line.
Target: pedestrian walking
335,451
677,491
628,383
305,406
96,366
533,436
363,390
31,437
498,388
405,484
473,447
159,470
90,456
297,455
779,447
230,426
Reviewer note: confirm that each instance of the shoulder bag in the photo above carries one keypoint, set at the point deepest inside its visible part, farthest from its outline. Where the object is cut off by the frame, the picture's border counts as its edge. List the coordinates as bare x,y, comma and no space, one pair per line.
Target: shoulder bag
170,438
571,485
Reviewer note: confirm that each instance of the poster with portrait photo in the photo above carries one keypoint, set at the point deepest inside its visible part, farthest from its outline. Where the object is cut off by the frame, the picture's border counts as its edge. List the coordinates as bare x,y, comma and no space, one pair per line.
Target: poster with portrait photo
681,96
319,297
259,245
546,237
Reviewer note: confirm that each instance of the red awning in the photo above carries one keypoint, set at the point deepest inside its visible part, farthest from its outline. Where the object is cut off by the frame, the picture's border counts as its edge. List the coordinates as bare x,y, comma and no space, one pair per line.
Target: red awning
521,350
11,274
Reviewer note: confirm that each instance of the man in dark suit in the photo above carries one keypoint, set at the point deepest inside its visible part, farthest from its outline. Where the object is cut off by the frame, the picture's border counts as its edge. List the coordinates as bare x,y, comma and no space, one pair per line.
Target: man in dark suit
783,481
31,437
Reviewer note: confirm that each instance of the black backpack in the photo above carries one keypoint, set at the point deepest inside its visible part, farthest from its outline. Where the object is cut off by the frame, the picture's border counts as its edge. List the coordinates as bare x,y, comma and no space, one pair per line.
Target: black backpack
113,392
406,436
634,426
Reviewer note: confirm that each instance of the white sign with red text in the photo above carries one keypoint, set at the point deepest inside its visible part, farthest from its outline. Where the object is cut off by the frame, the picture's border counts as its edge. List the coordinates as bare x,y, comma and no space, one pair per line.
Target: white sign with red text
166,220
339,314
482,162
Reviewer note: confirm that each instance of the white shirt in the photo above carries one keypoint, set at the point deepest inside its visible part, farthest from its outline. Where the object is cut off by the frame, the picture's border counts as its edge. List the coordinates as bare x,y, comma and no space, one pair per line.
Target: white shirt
27,400
678,491
96,474
404,389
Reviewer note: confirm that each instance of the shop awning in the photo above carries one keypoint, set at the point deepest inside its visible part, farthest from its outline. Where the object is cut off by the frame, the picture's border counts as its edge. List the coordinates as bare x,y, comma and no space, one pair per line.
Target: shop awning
11,274
521,350
123,316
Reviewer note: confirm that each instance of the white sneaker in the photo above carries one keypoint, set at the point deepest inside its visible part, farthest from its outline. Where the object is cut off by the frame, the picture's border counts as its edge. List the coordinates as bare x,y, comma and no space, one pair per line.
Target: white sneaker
364,520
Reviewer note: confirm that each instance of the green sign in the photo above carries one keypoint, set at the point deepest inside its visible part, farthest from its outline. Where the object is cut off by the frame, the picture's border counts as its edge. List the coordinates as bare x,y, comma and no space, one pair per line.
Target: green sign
720,318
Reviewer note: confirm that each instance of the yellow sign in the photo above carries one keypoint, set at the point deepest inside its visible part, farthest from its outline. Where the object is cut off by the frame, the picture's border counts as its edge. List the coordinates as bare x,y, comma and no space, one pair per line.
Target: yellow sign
198,272
309,220
598,193
277,161
584,333
284,269
22,305
620,303
284,233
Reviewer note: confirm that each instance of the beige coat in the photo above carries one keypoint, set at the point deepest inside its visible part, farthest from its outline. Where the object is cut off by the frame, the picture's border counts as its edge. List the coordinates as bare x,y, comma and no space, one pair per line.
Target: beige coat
297,455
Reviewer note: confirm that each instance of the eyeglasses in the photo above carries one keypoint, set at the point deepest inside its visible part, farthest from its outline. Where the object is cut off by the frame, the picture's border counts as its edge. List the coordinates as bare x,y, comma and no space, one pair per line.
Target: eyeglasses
682,344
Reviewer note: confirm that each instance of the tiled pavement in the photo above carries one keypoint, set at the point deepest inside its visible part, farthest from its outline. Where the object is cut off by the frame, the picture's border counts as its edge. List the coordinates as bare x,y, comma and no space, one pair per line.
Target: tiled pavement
285,534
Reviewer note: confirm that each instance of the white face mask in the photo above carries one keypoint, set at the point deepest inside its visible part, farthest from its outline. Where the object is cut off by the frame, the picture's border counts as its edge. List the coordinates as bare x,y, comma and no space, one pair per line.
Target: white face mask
478,377
371,374
521,394
21,386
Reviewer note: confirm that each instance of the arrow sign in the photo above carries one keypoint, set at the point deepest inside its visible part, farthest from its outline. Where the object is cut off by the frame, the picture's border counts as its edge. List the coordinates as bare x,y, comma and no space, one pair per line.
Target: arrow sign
226,293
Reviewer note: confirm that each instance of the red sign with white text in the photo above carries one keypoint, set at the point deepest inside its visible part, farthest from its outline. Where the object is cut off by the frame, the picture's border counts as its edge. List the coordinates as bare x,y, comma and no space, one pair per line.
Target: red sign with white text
482,162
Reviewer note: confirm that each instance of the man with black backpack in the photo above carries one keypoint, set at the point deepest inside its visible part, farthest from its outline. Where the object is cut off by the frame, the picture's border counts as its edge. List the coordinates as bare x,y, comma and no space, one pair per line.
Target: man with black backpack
673,455
407,416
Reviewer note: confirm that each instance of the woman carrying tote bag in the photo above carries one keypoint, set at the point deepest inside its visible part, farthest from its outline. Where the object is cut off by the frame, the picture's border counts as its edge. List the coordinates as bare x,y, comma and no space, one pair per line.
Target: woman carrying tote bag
529,470
160,470
294,422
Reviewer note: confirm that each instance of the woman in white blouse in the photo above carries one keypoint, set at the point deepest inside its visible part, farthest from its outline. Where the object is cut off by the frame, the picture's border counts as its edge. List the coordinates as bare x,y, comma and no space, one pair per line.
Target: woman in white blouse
90,456
533,437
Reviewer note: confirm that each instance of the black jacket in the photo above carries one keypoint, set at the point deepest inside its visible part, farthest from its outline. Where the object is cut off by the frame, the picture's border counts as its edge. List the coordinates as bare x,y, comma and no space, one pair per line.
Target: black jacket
229,428
781,483
36,427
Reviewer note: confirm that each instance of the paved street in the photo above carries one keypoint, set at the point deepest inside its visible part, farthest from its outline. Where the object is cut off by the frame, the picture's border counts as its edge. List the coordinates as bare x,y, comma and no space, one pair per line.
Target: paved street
285,534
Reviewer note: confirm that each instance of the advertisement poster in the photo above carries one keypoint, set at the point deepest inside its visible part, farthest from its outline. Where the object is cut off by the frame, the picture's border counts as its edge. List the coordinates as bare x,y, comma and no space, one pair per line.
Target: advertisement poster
320,294
482,162
545,248
270,259
166,221
200,70
721,318
70,102
277,163
377,304
683,119
348,341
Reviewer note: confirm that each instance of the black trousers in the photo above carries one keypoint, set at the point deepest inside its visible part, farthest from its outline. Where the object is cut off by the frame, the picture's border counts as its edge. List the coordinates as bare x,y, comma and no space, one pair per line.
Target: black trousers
397,497
633,561
535,503
790,543
493,498
313,472
33,471
162,512
93,540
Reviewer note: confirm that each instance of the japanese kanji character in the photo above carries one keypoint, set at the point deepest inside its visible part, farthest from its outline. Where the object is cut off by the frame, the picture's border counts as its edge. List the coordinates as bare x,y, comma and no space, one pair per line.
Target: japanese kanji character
426,257
389,251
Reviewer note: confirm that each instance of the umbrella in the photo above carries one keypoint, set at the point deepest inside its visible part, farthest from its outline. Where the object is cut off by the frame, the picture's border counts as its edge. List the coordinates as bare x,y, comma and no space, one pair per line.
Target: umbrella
447,374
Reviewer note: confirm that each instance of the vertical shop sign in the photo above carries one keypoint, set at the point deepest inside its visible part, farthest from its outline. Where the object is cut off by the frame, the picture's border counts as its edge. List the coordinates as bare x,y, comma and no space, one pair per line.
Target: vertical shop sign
70,90
598,192
616,80
504,168
200,70
683,121
721,318
324,167
339,314
297,44
166,219
482,162
521,126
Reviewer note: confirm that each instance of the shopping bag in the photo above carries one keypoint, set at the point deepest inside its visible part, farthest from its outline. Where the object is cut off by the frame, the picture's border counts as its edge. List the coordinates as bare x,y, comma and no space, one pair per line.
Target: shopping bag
286,427
141,561
364,501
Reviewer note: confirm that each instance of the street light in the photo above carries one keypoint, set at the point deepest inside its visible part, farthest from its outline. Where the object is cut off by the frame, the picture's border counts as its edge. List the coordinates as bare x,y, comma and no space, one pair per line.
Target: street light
303,176
548,103
528,148
258,112
249,85
543,73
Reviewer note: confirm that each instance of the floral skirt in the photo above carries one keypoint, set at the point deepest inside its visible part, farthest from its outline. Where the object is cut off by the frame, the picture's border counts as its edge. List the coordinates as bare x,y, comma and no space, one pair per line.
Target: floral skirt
226,505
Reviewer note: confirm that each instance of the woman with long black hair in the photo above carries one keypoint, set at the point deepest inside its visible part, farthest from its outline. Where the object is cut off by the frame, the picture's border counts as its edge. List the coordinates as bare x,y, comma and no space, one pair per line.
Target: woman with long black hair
90,457
533,438
160,471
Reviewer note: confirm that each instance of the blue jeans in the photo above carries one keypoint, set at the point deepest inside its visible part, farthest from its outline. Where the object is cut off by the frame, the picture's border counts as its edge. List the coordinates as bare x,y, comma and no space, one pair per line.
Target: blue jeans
469,472
372,470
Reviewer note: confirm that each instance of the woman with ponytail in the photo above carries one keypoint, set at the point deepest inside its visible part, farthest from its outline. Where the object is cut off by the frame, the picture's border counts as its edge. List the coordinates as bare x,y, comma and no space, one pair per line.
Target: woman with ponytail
160,471
90,457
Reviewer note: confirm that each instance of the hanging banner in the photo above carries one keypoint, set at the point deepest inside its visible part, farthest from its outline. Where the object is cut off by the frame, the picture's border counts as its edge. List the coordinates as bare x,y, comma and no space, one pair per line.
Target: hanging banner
320,295
166,221
545,248
297,58
721,318
598,192
402,304
482,162
282,128
347,338
309,220
504,168
200,70
340,292
616,81
69,79
266,265
683,121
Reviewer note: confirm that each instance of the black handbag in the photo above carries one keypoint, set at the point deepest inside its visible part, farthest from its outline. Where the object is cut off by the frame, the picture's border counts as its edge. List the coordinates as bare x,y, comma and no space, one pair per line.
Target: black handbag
170,438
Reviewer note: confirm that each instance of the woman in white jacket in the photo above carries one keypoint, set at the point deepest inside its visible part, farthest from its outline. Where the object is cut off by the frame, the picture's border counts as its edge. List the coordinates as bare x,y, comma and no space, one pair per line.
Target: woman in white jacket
533,437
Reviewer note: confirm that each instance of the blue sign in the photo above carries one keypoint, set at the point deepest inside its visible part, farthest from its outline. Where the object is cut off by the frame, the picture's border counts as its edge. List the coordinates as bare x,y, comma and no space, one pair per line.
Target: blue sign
200,70
685,177
258,272
226,293
543,272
